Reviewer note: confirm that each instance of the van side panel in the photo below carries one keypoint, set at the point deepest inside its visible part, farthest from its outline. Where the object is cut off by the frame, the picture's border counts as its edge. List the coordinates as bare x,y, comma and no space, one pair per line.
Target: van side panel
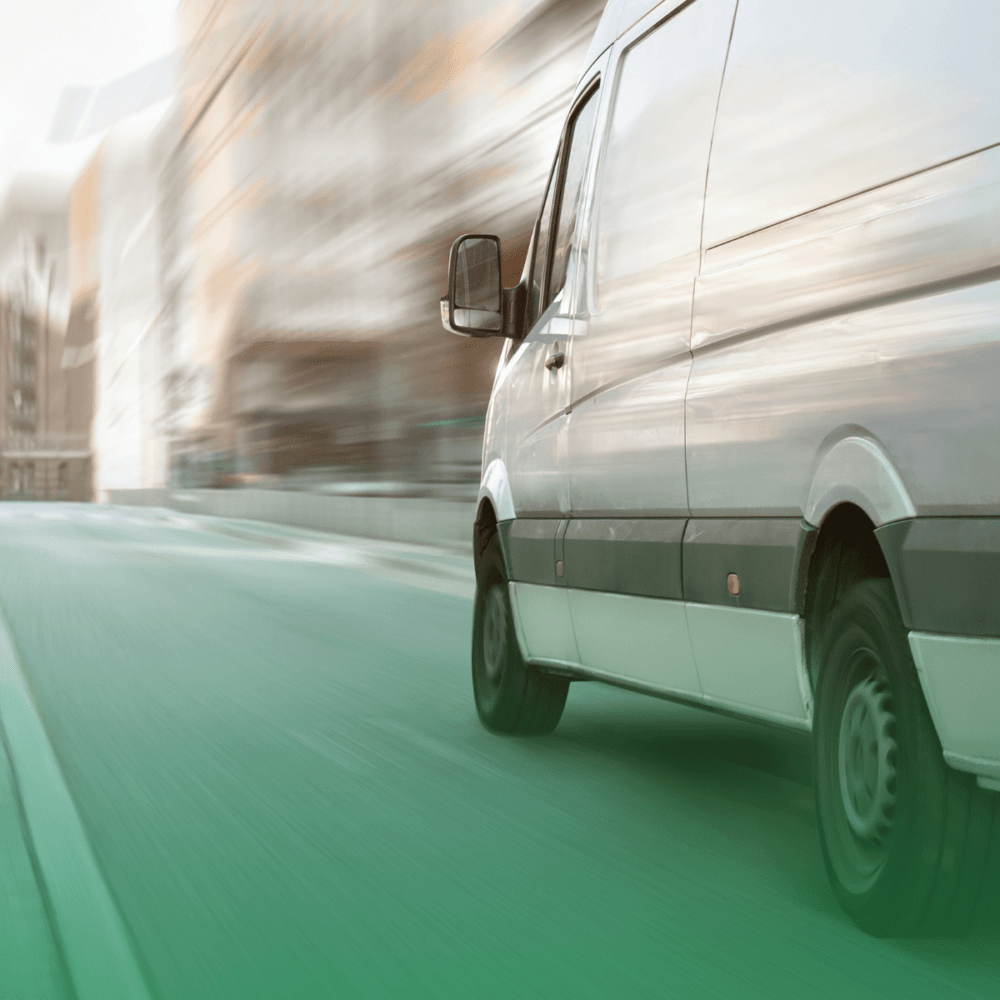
631,343
876,317
917,376
824,100
606,33
939,228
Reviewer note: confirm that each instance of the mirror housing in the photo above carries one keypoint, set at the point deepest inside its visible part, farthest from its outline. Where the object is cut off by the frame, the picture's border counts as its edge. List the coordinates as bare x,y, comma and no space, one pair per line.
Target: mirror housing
477,305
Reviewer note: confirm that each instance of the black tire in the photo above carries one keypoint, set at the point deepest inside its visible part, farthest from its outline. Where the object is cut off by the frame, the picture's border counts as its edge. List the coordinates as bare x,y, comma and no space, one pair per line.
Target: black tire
905,838
511,696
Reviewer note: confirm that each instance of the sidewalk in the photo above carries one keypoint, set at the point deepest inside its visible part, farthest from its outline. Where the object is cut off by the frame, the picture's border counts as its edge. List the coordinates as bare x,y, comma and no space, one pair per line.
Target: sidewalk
444,568
421,520
30,965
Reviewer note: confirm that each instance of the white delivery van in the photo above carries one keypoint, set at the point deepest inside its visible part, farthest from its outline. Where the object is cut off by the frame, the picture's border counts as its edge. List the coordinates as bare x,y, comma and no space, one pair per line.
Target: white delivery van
743,447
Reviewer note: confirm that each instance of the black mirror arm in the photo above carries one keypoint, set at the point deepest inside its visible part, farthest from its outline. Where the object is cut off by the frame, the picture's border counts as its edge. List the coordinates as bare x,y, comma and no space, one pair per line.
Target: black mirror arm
513,312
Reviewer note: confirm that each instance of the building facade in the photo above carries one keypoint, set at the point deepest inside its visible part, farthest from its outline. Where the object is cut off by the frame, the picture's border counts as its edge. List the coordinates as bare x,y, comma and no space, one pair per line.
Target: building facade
46,365
332,153
256,266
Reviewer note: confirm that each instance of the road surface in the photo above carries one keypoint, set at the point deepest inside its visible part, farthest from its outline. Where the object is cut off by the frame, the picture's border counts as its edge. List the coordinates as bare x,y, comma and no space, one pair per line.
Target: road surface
270,740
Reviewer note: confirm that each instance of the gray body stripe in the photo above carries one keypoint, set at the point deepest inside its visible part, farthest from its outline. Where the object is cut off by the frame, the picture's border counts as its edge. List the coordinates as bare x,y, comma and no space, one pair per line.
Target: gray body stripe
760,550
529,549
673,558
947,573
641,557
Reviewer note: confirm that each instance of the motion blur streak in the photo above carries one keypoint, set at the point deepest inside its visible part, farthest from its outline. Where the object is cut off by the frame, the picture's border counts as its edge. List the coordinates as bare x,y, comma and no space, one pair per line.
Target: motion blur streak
242,284
268,733
269,737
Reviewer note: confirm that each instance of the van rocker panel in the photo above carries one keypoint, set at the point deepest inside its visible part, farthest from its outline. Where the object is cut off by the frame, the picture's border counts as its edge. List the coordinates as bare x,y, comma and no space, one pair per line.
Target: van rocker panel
639,639
543,624
752,661
742,662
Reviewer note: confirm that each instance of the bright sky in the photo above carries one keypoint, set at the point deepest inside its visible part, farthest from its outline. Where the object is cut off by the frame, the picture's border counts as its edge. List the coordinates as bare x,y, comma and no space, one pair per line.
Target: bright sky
46,45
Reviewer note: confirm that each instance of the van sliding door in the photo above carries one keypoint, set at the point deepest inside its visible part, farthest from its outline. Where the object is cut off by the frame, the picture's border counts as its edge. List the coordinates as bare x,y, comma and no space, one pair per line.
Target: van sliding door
538,397
631,352
631,358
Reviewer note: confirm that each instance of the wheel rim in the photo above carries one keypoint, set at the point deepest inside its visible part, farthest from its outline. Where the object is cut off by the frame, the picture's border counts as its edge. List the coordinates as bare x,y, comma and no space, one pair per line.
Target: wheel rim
867,754
865,773
494,638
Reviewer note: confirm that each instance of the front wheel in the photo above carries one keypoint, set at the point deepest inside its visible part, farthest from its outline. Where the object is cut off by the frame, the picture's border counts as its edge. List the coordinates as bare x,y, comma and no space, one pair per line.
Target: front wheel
511,696
905,838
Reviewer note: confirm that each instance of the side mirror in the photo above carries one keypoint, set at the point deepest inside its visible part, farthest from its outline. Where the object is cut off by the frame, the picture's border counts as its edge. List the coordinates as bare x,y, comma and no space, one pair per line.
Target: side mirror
474,306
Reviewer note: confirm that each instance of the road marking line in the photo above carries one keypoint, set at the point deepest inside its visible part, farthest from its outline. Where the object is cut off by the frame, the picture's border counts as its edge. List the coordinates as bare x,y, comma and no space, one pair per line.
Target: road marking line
89,927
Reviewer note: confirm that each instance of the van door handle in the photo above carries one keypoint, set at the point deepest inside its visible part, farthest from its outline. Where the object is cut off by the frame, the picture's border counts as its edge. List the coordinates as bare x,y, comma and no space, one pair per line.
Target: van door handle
556,360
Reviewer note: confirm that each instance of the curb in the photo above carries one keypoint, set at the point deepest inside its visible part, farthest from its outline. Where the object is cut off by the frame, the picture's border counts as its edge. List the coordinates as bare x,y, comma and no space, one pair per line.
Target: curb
87,926
401,519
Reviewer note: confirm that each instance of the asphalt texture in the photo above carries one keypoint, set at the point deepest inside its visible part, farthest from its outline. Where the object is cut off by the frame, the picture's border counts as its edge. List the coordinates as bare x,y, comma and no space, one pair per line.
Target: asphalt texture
30,963
270,738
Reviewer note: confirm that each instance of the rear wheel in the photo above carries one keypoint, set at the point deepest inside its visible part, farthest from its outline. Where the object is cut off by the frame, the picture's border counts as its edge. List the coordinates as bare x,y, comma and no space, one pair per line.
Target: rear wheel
905,838
511,696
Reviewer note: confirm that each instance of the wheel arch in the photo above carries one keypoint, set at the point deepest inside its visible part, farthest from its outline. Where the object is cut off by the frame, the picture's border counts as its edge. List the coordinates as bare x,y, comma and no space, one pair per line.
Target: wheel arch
845,550
495,487
494,504
855,488
852,467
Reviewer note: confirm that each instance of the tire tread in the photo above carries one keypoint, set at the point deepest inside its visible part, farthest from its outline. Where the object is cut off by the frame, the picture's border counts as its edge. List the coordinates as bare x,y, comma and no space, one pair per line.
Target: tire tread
950,832
530,702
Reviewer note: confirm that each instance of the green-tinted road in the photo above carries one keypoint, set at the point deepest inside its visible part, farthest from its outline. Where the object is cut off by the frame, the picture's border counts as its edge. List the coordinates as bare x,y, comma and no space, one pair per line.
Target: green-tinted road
271,742
29,960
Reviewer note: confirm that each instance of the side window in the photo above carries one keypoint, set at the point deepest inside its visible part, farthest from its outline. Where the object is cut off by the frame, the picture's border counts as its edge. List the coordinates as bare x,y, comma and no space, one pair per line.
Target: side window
536,290
581,132
557,226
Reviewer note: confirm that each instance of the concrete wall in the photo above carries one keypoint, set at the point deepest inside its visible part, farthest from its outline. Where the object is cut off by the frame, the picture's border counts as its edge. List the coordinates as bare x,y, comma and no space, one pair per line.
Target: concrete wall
423,521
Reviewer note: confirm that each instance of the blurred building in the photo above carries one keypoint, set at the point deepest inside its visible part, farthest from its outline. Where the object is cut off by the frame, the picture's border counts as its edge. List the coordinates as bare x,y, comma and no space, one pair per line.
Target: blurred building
259,261
332,151
46,354
116,278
